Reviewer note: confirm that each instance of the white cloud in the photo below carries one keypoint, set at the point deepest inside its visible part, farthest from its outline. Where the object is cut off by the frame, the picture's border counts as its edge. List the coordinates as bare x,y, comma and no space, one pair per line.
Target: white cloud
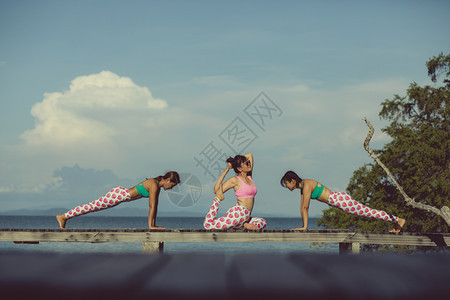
6,189
298,88
90,112
102,121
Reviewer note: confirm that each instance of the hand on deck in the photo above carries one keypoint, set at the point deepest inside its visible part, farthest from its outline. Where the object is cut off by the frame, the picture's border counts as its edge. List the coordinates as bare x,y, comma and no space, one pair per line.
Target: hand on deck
398,226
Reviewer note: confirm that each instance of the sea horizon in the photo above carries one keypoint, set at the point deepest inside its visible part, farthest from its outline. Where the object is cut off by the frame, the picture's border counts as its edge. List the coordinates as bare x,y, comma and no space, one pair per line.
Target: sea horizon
126,212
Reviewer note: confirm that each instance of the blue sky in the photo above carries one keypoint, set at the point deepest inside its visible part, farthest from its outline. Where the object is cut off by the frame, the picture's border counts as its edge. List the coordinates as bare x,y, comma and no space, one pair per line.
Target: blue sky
96,94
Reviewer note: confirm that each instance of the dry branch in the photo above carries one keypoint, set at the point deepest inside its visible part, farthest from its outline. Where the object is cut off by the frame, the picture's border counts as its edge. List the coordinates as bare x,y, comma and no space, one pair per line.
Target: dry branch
444,212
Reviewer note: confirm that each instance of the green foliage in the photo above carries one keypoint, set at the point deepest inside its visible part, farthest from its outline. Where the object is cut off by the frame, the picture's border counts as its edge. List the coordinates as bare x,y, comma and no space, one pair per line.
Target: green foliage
418,156
403,249
440,63
320,246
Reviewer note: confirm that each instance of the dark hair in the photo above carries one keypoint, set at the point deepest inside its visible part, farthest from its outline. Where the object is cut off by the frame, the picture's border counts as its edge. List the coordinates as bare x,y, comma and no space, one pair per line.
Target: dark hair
172,175
236,162
288,176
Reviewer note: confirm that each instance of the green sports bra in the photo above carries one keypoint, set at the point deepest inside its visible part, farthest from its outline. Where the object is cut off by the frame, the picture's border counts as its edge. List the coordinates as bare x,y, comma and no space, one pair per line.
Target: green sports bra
317,191
142,190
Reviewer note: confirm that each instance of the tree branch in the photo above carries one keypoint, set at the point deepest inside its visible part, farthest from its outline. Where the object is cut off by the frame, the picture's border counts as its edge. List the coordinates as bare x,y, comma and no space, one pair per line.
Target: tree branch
444,212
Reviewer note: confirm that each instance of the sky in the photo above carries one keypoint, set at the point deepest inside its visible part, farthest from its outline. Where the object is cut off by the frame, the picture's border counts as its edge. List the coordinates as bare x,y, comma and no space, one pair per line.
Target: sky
96,94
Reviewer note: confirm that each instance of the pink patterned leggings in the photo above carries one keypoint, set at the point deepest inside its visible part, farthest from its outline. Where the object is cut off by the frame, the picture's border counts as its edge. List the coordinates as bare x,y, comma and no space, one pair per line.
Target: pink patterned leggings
346,203
114,197
235,217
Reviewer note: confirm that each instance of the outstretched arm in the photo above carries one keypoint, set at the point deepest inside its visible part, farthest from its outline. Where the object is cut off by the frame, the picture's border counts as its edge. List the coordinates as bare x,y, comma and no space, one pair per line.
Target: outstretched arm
153,199
304,208
219,188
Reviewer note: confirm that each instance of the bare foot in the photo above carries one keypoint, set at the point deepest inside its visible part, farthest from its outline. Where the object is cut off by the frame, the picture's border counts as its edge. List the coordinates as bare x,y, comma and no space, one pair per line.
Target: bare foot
299,228
250,226
62,221
398,226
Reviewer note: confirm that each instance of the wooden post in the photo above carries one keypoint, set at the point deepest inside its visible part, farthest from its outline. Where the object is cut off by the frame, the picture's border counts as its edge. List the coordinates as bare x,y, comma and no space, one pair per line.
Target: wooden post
356,247
152,247
346,248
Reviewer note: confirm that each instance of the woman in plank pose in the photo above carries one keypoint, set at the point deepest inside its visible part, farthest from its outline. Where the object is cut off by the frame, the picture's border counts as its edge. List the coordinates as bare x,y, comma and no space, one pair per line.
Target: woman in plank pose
239,215
312,189
148,188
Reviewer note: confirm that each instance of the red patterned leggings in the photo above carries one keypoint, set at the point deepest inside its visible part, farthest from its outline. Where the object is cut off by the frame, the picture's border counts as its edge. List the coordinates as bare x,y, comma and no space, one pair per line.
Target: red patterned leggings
114,197
346,203
235,217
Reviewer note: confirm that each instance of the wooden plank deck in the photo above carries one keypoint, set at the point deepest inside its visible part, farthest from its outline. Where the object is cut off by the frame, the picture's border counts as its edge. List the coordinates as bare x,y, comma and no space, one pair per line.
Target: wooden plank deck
240,276
152,239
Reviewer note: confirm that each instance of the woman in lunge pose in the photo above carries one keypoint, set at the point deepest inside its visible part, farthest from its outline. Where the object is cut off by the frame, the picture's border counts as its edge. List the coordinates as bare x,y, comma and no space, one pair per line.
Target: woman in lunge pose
239,215
312,189
148,188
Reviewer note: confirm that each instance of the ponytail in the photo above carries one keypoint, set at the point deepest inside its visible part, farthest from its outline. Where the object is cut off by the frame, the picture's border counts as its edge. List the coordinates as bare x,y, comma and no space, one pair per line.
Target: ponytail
172,176
236,162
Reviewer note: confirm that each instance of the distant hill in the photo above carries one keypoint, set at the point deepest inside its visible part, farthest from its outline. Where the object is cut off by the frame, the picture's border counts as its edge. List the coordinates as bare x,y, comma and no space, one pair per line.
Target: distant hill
32,212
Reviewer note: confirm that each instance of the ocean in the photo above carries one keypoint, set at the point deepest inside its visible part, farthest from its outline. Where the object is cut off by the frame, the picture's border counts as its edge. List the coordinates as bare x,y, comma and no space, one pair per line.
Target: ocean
103,222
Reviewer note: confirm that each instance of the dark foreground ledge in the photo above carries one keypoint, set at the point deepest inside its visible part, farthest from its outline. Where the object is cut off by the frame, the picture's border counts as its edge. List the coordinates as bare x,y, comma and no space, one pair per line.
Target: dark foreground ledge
218,276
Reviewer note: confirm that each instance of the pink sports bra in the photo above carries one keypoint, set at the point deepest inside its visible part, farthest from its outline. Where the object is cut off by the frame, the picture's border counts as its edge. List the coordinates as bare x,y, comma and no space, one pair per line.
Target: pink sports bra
246,191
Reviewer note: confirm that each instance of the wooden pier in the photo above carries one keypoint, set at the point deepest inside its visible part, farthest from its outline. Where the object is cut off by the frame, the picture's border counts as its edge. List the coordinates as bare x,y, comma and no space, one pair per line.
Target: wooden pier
153,240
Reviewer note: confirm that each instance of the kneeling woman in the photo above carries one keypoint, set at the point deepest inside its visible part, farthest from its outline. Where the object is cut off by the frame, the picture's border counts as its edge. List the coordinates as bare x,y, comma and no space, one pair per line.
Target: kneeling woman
312,189
148,188
239,215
